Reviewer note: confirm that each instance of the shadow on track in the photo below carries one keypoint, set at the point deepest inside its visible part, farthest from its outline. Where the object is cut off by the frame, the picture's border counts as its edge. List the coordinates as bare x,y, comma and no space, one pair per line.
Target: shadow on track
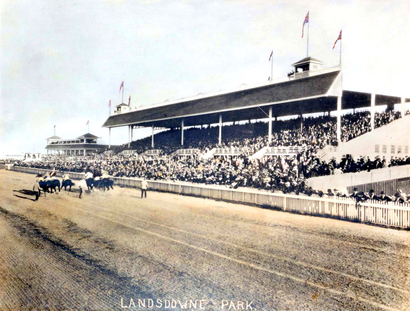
27,192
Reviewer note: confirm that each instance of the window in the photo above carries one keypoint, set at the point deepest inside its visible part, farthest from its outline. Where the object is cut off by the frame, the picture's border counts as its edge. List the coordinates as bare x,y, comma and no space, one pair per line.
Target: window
399,149
393,149
377,148
384,149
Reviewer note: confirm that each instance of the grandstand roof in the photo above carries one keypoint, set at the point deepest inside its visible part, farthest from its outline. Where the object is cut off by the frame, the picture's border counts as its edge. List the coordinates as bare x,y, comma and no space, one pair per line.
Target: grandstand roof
87,135
53,137
307,60
311,94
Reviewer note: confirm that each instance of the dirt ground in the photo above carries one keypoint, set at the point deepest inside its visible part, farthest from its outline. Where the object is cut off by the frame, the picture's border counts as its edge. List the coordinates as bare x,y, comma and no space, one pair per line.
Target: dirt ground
113,250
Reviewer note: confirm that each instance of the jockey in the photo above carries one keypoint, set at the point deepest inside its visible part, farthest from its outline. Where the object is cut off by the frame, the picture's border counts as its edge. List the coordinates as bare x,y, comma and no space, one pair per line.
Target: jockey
53,174
39,178
104,175
66,177
88,175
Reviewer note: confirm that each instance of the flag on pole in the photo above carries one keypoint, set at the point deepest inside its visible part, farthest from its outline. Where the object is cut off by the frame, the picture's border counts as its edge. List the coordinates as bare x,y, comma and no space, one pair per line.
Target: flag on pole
122,85
129,101
109,104
338,38
87,122
54,127
270,55
305,21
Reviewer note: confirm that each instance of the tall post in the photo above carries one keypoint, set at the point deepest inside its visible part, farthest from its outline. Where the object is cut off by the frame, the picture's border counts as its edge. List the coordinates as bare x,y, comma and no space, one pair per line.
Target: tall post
271,69
132,133
182,132
307,46
129,136
152,139
220,128
339,119
122,99
270,126
109,137
340,61
372,109
403,106
84,152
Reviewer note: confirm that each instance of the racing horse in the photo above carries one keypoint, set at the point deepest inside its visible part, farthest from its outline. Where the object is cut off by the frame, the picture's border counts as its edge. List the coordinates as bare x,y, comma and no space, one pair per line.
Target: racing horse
67,183
104,183
89,179
49,185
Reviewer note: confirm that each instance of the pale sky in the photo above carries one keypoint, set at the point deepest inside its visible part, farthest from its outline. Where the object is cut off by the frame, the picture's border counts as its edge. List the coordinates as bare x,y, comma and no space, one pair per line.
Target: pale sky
63,60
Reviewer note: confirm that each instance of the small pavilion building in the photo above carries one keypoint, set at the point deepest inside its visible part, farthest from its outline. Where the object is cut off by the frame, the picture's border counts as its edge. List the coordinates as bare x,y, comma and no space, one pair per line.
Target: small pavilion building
79,146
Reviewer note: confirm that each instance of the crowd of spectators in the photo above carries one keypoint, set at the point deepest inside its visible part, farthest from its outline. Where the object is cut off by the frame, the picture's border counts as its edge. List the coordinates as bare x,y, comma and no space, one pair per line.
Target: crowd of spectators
287,173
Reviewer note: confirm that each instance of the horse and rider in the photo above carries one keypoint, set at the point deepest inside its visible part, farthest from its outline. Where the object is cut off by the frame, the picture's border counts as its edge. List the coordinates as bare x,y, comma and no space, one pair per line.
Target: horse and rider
98,180
48,183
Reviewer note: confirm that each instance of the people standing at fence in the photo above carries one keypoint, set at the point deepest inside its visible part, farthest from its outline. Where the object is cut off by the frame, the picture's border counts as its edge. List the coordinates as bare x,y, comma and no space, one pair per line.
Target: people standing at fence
144,188
401,197
383,197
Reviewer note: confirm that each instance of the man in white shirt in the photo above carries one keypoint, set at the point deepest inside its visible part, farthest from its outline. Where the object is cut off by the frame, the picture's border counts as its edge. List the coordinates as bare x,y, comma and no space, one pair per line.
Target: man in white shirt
144,187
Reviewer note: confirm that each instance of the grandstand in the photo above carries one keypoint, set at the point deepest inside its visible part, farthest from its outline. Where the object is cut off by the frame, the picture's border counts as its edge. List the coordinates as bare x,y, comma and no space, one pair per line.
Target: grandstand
309,90
262,146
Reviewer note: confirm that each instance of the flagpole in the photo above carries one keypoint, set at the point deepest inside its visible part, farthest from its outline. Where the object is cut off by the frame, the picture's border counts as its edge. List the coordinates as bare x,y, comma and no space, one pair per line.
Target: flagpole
123,84
88,126
271,69
307,45
340,61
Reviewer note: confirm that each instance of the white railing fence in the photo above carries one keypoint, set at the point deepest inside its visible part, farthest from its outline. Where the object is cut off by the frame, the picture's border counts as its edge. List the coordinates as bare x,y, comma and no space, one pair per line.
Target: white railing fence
389,214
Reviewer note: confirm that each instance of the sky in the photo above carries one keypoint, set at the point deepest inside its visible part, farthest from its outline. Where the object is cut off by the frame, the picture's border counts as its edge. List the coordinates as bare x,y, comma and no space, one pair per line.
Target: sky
62,61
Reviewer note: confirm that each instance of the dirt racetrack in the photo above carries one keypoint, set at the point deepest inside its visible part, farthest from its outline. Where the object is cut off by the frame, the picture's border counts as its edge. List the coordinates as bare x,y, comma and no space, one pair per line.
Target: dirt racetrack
113,250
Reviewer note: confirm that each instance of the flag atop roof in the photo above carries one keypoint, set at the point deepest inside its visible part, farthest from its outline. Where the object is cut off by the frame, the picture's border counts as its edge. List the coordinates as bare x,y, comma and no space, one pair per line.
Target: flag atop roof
87,122
338,38
122,85
270,55
129,101
109,103
305,21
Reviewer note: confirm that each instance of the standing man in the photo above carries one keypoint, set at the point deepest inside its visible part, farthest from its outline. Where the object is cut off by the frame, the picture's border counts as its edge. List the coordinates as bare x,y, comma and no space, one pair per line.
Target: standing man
144,187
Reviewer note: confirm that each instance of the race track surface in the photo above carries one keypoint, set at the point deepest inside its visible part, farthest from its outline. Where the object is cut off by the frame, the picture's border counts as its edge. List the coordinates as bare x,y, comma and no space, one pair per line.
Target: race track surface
115,251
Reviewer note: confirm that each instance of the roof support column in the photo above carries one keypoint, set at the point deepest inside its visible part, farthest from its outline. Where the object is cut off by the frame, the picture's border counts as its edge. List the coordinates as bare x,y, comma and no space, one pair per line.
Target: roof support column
339,119
220,128
182,132
270,126
129,136
372,109
132,133
403,106
84,152
152,137
109,137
